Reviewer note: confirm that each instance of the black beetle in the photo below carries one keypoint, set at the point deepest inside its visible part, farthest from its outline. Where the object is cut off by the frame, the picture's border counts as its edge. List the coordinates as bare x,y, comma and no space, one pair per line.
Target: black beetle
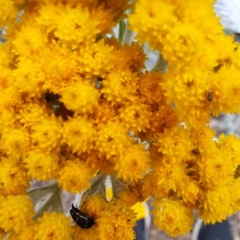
82,219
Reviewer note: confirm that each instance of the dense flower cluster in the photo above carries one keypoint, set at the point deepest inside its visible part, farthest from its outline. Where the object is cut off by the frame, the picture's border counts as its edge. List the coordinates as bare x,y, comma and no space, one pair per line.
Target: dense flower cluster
76,102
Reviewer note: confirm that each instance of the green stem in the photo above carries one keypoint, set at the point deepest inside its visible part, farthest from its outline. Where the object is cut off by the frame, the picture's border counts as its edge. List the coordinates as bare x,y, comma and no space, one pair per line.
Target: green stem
122,27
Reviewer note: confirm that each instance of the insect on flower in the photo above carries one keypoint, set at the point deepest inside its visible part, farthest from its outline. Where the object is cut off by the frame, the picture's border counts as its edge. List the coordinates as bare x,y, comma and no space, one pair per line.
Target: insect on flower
82,219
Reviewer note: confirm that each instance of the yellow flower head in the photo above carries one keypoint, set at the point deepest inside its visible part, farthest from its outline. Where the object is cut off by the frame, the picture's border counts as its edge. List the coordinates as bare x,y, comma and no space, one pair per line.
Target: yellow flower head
128,56
86,234
222,89
104,112
53,226
182,45
96,161
76,19
170,216
29,40
190,192
16,212
215,204
8,12
80,97
120,86
121,224
135,117
168,174
112,139
74,176
163,117
150,89
216,167
15,142
59,66
41,165
31,113
133,163
79,134
95,59
175,143
26,233
147,21
94,205
13,176
47,133
189,93
231,145
133,193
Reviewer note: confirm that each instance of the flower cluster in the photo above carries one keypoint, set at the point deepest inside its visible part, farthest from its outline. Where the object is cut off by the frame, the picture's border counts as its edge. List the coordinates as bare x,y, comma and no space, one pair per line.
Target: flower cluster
76,102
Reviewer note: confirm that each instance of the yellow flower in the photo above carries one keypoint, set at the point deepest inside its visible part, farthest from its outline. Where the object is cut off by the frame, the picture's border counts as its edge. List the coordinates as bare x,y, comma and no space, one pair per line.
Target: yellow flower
222,89
53,226
79,134
94,205
112,139
182,45
29,40
95,59
152,188
163,117
215,167
134,56
175,143
96,161
116,7
104,112
80,97
6,60
172,217
135,117
13,176
59,66
215,204
150,90
120,86
15,142
86,234
127,56
47,133
202,138
116,222
235,196
189,93
190,192
32,112
41,165
133,163
76,19
231,145
150,25
102,15
16,212
74,176
8,12
26,233
28,78
168,174
132,193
